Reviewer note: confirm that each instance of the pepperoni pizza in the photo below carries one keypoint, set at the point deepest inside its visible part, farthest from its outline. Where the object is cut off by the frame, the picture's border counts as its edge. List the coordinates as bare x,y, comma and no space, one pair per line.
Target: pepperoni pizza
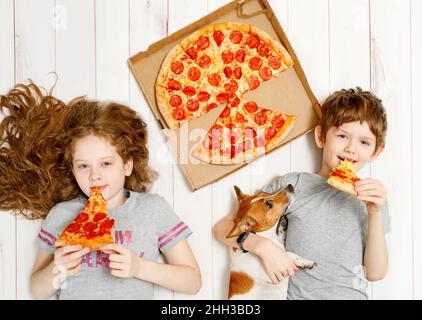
343,177
216,65
92,227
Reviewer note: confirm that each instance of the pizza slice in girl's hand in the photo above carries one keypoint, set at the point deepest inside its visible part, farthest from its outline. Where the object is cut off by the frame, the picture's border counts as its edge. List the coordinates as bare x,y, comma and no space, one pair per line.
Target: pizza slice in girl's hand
92,227
343,177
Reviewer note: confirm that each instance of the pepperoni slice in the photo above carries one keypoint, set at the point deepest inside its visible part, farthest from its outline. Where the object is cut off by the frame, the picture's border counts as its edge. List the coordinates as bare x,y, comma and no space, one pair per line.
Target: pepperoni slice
237,72
260,118
240,118
177,67
240,55
175,100
253,82
250,133
194,73
174,85
222,97
277,121
89,226
203,96
203,42
192,105
225,113
218,37
73,228
255,63
227,56
82,217
263,50
235,102
204,61
192,52
250,106
99,216
236,36
270,133
214,79
274,62
265,73
211,106
228,71
253,41
231,86
179,114
189,91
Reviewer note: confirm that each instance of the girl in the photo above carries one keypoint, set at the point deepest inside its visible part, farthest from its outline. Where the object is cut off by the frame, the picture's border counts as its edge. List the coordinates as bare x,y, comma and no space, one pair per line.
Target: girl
51,155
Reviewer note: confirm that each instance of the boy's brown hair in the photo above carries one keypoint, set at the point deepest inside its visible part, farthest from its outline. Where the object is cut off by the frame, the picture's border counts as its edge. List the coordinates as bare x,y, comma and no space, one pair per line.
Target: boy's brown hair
355,105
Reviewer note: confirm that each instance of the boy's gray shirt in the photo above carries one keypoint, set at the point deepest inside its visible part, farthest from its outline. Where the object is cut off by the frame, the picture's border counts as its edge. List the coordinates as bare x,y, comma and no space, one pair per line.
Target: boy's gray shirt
329,227
145,224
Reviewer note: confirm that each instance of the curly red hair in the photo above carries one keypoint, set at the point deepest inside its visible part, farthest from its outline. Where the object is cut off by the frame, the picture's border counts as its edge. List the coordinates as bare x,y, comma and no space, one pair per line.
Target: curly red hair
36,142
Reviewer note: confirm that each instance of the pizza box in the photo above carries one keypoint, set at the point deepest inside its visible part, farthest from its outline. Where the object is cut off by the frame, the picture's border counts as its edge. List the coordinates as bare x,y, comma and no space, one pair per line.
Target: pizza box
290,93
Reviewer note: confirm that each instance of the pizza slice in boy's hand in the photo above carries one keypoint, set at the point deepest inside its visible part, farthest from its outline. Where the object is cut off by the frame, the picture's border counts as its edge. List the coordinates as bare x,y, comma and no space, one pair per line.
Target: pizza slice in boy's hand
343,177
92,227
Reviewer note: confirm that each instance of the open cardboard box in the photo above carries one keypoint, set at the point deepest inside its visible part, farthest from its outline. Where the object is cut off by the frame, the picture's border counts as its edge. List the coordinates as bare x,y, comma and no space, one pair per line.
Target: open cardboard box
289,93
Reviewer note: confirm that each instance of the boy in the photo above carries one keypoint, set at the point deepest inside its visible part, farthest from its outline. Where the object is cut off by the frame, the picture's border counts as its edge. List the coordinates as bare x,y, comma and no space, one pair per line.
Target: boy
343,233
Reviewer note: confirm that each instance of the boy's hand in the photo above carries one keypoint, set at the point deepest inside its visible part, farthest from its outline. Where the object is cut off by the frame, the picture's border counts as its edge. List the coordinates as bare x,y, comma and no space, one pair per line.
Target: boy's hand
70,258
373,193
277,263
124,263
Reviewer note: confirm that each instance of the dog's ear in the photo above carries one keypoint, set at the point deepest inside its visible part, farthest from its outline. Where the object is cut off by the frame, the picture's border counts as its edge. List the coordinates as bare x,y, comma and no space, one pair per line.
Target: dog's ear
240,195
243,225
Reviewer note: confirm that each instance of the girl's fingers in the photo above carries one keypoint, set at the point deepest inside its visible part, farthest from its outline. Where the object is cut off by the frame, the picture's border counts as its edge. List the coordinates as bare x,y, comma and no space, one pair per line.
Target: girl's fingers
74,270
116,266
117,258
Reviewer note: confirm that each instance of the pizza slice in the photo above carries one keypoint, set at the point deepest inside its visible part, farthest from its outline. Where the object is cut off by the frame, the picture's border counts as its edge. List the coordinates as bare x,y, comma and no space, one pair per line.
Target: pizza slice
243,132
92,227
343,177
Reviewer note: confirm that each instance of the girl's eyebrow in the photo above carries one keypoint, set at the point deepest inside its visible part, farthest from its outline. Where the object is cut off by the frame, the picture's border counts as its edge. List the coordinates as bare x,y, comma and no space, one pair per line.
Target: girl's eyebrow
102,158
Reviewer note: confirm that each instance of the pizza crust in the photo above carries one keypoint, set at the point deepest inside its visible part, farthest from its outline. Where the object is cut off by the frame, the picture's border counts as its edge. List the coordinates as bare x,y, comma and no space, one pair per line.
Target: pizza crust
93,244
342,185
279,137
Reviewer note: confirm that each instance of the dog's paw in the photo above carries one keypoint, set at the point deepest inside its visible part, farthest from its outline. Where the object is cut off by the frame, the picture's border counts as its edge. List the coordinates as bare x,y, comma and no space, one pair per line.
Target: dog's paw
302,263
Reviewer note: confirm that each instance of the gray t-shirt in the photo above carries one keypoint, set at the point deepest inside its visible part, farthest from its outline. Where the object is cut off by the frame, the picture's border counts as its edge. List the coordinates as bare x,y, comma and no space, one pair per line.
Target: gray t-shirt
145,224
329,227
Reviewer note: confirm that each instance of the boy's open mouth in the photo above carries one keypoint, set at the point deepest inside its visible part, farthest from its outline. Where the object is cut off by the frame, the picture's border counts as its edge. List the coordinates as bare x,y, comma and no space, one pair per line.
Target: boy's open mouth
345,158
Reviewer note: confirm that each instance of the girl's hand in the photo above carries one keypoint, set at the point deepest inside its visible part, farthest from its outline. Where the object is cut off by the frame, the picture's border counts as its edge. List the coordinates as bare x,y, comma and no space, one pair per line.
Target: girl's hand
277,263
124,263
373,193
69,259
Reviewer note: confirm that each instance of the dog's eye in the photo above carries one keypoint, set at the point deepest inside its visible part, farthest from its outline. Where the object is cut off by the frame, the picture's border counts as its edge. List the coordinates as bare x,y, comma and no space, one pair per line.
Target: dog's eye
269,204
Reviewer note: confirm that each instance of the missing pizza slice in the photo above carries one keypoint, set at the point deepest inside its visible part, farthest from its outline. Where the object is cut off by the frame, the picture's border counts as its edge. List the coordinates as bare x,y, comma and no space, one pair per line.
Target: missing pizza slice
343,177
92,227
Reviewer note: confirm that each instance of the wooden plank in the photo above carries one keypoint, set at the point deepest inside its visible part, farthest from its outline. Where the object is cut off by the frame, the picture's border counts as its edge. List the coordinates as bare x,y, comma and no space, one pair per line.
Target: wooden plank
148,24
112,50
7,221
193,207
35,58
350,52
310,41
223,202
75,48
416,74
391,42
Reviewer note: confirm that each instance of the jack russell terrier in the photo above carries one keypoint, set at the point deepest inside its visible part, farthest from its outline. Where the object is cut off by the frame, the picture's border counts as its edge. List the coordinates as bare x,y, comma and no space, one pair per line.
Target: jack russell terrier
261,213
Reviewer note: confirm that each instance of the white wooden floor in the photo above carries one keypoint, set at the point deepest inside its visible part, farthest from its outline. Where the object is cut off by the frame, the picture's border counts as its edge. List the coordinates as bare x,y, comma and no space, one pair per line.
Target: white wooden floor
376,44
